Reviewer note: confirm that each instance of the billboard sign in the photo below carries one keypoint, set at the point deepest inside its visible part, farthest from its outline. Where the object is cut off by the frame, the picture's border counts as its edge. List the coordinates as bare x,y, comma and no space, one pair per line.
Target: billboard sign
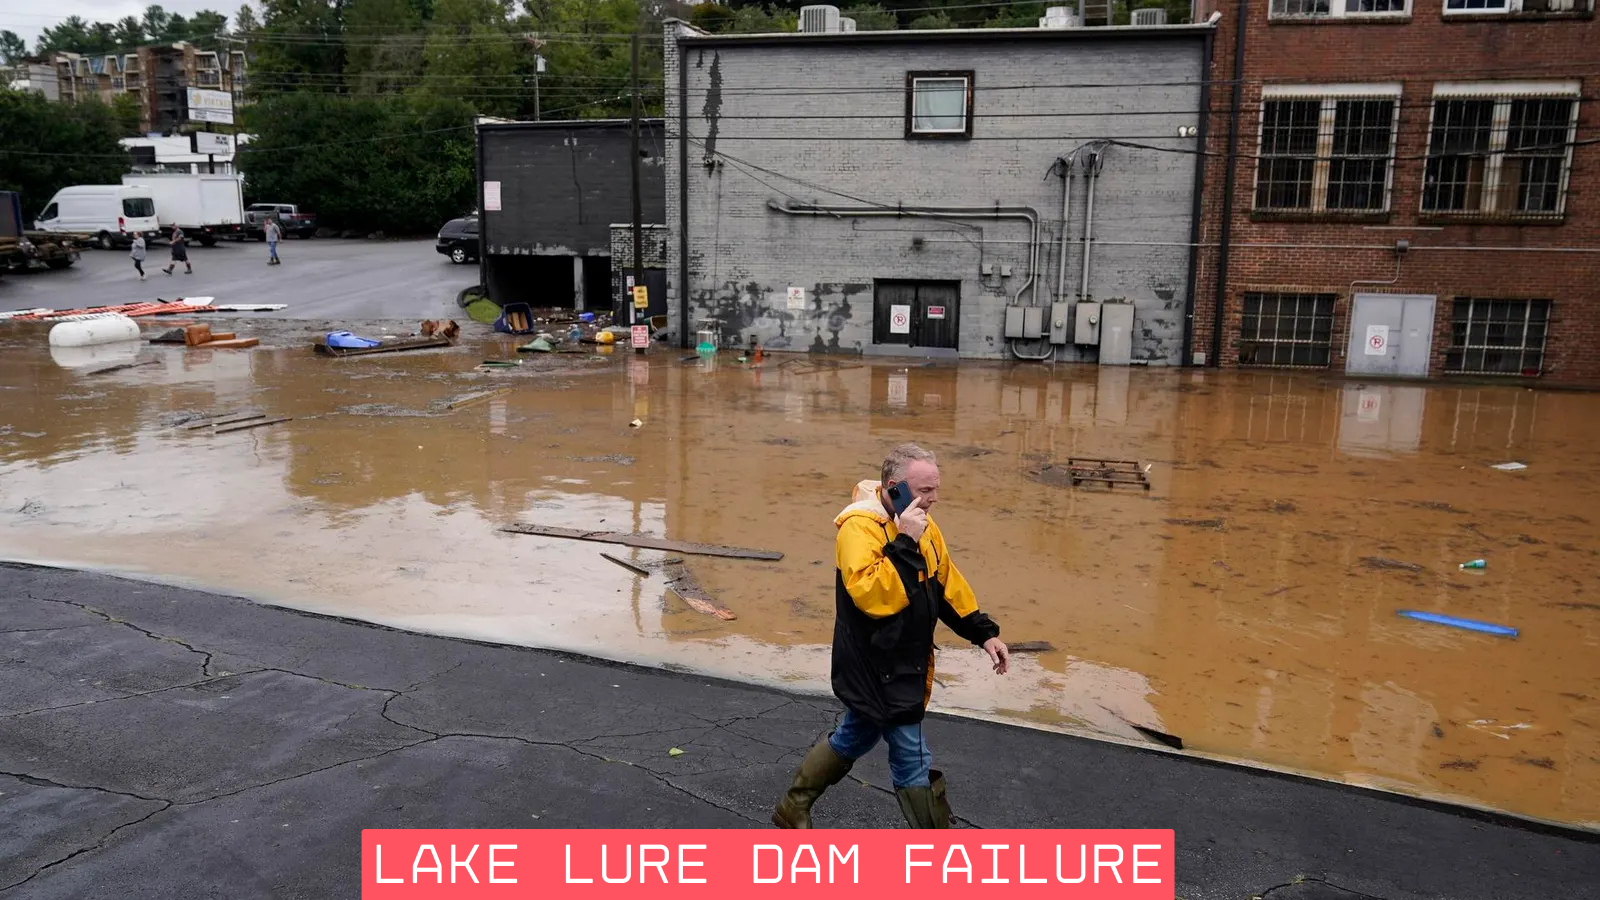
211,144
210,106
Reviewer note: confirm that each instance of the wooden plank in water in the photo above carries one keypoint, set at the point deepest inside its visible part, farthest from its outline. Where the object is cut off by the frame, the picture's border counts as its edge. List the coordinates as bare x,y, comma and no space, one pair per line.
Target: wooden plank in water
642,541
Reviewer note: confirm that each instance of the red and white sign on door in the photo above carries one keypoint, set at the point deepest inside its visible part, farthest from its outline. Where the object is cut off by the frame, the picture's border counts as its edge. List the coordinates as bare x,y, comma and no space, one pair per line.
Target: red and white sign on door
935,312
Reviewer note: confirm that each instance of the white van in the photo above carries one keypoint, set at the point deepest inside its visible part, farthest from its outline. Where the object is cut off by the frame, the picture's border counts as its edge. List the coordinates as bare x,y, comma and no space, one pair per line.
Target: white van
113,213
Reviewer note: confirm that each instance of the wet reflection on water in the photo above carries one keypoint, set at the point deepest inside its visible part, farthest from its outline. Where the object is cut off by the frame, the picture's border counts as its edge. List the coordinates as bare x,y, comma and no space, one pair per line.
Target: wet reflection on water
1246,603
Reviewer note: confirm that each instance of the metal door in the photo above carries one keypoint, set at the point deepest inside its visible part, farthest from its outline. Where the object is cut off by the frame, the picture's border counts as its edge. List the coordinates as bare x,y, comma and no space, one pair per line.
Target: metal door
934,321
1390,334
916,313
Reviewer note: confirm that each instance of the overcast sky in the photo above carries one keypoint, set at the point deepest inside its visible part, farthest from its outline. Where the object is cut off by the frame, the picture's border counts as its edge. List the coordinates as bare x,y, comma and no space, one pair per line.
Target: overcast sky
28,19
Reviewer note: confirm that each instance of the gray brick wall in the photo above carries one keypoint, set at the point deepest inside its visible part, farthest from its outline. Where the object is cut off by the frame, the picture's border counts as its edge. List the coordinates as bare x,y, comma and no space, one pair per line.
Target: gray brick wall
655,254
823,122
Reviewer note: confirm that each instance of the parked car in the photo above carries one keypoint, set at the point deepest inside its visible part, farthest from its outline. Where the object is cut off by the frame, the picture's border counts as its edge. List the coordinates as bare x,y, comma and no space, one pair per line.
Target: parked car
290,219
112,213
458,239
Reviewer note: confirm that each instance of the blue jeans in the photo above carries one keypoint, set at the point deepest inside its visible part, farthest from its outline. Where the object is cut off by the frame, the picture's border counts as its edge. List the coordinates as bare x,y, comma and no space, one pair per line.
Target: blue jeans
272,249
909,758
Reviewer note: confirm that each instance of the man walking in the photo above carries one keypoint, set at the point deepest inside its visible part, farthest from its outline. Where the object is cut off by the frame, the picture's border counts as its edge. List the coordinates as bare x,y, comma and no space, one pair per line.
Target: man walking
273,234
180,252
894,578
136,253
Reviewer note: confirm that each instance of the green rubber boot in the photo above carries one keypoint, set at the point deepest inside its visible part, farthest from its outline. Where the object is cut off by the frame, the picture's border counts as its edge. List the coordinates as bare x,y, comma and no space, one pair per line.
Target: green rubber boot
821,769
926,807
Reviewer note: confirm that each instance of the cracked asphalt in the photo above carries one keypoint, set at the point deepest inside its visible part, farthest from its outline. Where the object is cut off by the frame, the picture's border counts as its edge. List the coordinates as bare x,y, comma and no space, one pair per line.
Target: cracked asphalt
160,742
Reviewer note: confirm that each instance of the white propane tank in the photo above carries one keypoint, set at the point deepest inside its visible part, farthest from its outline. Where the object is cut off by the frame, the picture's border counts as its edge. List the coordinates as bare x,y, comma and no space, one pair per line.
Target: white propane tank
100,354
89,332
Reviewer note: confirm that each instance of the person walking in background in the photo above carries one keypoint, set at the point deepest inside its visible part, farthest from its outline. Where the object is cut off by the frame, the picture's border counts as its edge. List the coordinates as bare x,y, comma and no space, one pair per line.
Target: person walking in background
180,253
274,232
894,582
137,254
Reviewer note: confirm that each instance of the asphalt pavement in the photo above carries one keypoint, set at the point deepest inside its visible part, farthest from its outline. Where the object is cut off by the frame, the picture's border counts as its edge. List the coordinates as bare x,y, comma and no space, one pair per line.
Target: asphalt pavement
160,742
319,279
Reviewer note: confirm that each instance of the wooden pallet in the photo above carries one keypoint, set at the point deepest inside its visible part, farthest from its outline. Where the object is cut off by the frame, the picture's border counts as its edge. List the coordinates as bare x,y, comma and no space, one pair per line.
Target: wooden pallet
1110,472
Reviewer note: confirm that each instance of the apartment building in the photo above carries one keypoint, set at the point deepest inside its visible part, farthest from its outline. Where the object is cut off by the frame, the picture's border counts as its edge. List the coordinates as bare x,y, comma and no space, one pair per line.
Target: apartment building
1402,188
158,76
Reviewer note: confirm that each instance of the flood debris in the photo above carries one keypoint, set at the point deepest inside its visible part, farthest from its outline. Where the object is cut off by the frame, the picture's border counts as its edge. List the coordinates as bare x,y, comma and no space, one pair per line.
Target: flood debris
131,310
642,541
438,334
475,399
1383,562
242,426
1031,647
636,423
1111,473
1458,622
201,335
682,584
1153,734
1475,564
637,570
118,367
1206,524
215,419
1509,466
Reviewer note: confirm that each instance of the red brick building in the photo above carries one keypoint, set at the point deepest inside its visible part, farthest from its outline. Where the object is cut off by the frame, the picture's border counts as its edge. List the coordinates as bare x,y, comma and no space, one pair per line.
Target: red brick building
1415,188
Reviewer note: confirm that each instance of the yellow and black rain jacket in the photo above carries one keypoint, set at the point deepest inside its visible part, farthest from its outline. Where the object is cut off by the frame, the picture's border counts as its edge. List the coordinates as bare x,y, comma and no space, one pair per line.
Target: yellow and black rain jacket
889,591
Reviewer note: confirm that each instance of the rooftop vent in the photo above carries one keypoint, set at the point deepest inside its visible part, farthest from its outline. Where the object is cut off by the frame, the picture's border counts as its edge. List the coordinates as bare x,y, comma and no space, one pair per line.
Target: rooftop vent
848,25
1149,17
820,20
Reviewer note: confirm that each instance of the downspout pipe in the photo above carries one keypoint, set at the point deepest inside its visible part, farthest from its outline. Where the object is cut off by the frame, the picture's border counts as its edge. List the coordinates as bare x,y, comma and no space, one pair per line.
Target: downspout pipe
683,197
1064,164
1226,235
1091,174
1197,209
1022,213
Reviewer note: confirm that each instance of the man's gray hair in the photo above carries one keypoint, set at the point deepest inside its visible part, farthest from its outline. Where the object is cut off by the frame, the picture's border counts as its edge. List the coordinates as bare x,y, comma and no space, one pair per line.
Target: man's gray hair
903,455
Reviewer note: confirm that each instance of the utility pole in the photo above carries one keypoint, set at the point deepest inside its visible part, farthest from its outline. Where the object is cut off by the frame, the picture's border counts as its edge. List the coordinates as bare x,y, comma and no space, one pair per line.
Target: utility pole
638,215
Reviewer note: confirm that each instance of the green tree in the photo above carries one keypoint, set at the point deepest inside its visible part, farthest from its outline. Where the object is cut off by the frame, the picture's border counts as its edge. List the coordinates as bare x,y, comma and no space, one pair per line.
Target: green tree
756,19
383,45
73,32
46,146
245,21
933,20
156,21
469,54
400,164
872,18
299,46
12,47
713,17
588,71
207,29
125,112
129,33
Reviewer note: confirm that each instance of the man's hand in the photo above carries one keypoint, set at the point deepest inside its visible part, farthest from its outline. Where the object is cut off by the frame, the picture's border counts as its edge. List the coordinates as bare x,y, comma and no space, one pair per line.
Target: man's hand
998,654
914,521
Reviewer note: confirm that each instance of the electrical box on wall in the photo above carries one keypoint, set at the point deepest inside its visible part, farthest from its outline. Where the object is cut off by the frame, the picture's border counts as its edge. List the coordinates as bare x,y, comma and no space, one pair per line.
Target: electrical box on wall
1014,322
1033,322
1087,329
1060,317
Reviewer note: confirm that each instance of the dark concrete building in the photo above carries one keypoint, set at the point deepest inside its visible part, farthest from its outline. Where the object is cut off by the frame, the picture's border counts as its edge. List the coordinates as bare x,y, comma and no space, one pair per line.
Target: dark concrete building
549,194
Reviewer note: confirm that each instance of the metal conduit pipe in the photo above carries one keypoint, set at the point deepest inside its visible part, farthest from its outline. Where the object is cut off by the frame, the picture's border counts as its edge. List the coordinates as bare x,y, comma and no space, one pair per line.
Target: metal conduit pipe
1024,213
1091,174
1065,164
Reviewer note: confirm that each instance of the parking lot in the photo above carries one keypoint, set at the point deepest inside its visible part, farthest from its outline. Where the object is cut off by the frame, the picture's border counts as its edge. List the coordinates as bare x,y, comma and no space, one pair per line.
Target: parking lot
321,279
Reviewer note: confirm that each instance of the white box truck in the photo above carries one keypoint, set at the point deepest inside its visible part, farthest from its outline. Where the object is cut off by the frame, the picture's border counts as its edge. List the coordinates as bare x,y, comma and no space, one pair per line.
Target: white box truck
111,213
205,206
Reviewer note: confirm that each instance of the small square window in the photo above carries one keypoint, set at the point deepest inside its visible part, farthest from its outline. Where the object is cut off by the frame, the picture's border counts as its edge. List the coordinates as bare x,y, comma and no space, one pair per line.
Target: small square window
939,105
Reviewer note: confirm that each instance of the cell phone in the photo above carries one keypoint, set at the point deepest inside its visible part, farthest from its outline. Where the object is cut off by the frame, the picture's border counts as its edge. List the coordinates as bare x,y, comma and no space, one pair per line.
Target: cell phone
900,497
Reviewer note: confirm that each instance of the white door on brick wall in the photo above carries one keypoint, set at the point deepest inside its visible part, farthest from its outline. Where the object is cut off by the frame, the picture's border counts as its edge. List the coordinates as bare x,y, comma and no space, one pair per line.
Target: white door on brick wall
1390,334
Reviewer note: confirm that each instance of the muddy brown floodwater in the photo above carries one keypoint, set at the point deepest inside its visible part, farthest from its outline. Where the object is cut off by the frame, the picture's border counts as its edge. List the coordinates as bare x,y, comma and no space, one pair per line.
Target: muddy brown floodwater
1247,603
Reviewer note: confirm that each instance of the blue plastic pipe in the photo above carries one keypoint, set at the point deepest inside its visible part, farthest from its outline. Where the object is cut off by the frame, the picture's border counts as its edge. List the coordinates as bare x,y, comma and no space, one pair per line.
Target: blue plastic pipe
1455,622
